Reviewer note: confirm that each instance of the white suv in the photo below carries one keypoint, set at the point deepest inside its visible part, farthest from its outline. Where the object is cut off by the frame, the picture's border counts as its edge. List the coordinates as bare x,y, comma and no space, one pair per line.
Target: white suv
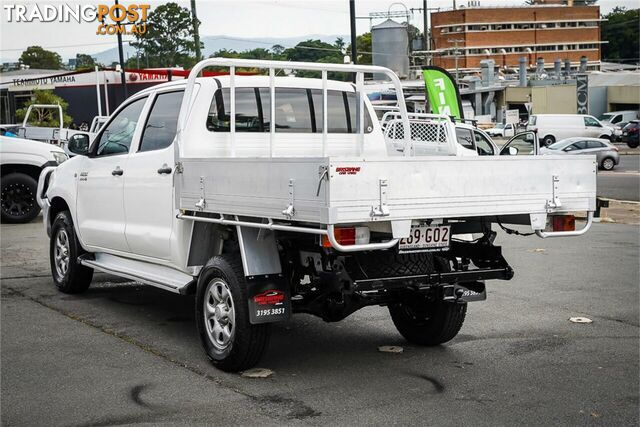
22,161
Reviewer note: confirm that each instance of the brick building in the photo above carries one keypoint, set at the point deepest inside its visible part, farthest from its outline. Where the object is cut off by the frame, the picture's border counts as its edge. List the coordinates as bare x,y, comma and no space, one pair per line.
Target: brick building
505,34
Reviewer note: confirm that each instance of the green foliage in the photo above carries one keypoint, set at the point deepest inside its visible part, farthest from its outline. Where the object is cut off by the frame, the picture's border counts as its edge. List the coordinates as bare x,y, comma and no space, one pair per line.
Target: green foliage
621,31
364,48
169,39
39,58
42,117
84,61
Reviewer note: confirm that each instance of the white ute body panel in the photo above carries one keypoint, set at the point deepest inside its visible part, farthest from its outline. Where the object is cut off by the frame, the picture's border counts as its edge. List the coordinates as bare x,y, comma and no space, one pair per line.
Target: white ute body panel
278,179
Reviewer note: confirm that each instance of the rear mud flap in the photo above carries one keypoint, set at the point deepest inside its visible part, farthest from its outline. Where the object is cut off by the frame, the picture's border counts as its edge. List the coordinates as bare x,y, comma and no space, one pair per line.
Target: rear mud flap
269,300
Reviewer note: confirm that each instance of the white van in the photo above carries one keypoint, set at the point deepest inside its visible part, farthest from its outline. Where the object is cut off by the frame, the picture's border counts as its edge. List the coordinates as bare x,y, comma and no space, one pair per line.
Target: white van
554,127
615,117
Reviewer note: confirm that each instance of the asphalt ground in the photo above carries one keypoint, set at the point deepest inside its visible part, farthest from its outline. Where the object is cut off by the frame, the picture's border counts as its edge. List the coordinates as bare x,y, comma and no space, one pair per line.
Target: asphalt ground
623,182
125,353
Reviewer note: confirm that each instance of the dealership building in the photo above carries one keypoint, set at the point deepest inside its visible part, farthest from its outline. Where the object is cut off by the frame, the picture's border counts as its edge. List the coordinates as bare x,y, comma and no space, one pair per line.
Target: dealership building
464,37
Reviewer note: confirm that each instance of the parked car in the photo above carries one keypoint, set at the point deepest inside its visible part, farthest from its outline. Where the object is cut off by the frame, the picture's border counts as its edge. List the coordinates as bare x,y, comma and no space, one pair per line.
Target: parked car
617,131
502,129
554,127
617,117
606,154
21,162
630,133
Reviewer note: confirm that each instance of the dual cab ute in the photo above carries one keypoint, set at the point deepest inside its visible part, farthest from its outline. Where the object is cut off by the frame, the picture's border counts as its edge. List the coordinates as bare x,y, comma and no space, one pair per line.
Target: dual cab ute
266,196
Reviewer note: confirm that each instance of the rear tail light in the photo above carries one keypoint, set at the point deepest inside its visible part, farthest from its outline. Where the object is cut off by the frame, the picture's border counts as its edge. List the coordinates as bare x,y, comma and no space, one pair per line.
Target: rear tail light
616,148
564,222
633,130
348,236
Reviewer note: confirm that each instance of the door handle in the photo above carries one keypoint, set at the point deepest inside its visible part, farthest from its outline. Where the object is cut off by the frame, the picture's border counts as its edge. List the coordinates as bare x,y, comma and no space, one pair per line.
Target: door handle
117,171
164,170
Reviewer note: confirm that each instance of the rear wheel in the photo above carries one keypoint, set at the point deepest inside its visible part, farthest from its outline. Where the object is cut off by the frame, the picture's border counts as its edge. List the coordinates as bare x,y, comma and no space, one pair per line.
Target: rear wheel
425,322
548,140
608,164
18,202
633,144
64,249
231,342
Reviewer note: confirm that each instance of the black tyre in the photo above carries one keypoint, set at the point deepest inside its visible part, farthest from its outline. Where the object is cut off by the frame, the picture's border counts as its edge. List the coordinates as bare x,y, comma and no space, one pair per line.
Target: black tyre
607,137
18,202
633,144
64,249
607,164
231,342
548,140
429,323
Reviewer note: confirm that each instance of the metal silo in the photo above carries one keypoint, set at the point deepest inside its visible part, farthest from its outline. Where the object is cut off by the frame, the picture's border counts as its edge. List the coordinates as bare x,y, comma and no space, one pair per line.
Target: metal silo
390,44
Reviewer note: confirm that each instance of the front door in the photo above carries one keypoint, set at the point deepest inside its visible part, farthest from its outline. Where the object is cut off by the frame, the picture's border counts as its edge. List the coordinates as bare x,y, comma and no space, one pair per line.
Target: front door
148,189
100,210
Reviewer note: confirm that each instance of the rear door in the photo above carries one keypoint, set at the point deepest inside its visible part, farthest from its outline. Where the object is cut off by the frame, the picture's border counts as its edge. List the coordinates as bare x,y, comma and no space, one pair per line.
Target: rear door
148,187
100,209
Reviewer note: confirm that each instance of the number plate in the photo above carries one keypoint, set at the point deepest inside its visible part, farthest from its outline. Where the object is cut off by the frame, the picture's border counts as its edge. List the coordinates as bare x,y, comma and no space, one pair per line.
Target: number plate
422,239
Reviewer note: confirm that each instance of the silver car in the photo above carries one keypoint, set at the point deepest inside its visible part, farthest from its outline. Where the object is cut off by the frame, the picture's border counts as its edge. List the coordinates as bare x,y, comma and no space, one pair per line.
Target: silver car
606,154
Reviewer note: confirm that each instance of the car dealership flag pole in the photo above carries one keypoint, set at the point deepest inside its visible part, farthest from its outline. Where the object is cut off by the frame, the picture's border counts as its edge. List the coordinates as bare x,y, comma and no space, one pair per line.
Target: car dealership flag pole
442,92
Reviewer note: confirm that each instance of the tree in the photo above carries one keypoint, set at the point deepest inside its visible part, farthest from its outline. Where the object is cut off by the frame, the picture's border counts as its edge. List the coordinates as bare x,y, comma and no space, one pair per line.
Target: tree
37,57
312,51
45,117
169,39
363,46
84,61
621,31
277,49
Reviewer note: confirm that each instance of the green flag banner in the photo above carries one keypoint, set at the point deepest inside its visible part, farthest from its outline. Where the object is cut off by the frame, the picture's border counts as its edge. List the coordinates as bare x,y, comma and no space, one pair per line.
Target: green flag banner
442,92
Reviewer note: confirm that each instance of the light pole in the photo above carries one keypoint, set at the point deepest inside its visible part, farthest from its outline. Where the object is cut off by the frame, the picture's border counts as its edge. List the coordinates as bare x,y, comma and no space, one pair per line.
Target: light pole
196,30
123,74
352,18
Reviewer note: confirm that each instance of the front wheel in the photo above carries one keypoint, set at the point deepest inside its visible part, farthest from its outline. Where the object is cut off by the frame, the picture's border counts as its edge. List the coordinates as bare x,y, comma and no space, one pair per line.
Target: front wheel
18,201
64,249
607,137
231,342
608,164
428,322
548,140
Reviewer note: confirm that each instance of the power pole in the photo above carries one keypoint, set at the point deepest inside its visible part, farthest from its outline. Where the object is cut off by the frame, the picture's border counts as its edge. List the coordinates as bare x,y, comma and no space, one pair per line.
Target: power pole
196,30
456,53
425,10
352,17
123,74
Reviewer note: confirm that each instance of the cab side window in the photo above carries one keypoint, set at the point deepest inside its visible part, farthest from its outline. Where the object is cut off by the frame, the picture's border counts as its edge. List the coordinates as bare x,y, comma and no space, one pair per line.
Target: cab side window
465,138
591,122
162,124
117,135
483,146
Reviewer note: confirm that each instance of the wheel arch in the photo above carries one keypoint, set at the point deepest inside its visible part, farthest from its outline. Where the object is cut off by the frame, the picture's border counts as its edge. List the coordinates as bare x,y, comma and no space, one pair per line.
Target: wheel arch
58,204
31,170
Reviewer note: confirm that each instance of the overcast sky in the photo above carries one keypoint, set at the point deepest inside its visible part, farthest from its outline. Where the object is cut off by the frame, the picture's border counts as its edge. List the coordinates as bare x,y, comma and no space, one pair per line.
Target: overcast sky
238,18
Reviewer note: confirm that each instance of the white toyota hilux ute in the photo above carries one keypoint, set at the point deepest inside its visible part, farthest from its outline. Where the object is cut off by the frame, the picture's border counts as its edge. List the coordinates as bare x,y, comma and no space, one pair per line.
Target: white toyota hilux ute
21,162
266,196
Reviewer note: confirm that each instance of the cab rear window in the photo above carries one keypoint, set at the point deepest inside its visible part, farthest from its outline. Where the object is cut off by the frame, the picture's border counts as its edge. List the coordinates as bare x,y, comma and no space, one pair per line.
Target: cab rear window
297,110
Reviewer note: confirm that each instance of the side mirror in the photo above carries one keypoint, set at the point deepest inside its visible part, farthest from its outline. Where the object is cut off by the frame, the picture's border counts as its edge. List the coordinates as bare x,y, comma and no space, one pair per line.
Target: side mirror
513,151
79,144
